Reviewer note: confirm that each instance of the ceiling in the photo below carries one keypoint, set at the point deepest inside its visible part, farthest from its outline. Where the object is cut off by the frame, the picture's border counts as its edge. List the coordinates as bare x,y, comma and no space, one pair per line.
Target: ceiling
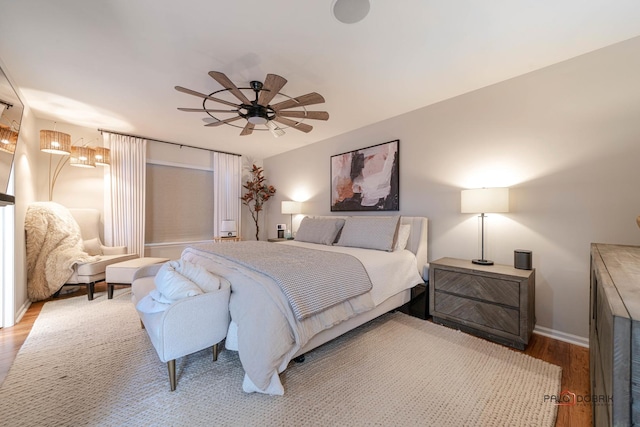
113,64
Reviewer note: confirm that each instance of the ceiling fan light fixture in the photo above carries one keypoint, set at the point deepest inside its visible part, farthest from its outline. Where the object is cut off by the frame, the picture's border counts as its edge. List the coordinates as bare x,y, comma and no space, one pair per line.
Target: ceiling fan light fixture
257,120
274,129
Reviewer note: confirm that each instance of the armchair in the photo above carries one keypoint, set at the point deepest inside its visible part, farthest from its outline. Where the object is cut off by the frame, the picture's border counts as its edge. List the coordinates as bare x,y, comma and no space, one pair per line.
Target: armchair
90,273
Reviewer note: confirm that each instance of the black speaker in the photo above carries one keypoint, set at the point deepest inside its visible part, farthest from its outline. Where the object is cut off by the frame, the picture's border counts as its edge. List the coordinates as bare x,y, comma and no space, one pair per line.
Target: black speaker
522,259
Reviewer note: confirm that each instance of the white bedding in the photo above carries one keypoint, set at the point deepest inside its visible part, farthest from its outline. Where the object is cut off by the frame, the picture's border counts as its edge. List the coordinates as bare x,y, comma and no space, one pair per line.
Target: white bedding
268,333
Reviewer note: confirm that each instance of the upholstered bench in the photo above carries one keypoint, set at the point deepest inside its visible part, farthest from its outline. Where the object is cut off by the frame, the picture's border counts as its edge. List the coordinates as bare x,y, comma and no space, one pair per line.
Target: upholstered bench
122,273
205,317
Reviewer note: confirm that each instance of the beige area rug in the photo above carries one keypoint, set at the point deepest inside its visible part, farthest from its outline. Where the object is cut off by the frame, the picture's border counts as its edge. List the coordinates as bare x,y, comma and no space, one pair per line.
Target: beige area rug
90,363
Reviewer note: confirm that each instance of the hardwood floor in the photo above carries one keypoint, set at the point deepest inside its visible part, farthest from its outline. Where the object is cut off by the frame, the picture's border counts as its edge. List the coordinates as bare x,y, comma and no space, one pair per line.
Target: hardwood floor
573,359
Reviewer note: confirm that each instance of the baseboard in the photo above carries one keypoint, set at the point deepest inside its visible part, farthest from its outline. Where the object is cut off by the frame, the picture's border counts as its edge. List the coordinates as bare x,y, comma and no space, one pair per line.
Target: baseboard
21,312
562,336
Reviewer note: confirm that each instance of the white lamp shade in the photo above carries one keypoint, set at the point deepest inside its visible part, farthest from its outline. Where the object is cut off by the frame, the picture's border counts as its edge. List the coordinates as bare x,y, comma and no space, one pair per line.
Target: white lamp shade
485,200
227,225
290,207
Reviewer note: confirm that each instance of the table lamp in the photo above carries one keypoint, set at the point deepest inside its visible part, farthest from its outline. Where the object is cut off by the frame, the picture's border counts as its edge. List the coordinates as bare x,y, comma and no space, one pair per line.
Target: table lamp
292,208
482,201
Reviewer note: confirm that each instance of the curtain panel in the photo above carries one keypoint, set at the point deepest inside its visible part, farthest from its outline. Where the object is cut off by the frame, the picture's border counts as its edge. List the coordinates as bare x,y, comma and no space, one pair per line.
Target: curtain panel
227,190
125,207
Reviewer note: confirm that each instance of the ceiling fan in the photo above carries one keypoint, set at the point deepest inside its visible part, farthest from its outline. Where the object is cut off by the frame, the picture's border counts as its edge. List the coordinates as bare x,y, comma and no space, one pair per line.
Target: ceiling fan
290,112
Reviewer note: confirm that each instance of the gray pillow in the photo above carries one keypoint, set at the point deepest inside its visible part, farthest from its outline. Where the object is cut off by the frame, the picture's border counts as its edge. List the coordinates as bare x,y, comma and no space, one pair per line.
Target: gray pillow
319,230
369,232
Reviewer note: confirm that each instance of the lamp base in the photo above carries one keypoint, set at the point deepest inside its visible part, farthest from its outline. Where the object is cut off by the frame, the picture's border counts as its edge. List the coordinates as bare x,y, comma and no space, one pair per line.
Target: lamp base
482,261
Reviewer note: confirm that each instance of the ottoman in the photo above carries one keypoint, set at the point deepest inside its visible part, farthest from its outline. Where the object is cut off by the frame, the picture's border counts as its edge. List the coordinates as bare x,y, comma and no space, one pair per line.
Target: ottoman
121,273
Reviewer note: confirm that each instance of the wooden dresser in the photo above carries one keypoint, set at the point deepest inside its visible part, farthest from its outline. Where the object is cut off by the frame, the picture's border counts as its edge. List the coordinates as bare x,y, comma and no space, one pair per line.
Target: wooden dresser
614,334
496,302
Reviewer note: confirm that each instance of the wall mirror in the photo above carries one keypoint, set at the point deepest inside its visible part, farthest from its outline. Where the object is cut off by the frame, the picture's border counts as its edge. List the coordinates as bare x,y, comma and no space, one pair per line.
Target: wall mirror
10,119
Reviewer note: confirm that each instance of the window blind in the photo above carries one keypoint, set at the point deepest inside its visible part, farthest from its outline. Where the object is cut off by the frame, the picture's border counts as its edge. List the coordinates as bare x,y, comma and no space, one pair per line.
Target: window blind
179,204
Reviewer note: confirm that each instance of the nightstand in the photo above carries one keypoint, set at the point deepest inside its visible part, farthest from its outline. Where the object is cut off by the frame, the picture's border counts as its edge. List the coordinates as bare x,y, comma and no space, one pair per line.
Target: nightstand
495,302
226,239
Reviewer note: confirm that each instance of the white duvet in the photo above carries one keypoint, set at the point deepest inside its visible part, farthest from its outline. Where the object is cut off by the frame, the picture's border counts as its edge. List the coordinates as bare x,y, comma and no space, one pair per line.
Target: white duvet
268,333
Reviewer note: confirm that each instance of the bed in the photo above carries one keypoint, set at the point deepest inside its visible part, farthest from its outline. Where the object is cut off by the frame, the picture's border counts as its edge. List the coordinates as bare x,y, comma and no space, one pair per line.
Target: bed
286,301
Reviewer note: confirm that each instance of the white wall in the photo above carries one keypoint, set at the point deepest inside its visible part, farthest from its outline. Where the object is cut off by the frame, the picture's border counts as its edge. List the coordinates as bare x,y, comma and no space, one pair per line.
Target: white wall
565,139
75,187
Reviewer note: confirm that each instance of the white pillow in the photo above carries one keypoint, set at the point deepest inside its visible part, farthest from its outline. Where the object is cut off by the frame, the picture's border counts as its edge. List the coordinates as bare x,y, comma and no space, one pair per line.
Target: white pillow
319,230
205,280
369,232
93,246
403,237
173,285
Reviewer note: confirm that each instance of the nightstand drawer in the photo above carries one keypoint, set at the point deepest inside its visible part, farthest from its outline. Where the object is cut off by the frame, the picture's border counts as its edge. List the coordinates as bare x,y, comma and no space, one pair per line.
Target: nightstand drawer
476,286
487,315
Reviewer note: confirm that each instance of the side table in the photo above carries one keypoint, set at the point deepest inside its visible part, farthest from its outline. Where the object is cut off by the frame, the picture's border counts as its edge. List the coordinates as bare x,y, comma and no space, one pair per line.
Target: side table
496,302
226,239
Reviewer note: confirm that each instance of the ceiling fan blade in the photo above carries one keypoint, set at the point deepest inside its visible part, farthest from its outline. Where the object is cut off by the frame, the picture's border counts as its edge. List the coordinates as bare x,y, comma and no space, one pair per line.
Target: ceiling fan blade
293,124
314,115
228,84
248,129
206,110
202,95
271,87
221,122
301,101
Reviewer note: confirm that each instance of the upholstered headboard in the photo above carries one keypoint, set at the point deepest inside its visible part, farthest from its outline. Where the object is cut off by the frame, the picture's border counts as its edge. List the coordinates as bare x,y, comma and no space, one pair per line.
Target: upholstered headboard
417,242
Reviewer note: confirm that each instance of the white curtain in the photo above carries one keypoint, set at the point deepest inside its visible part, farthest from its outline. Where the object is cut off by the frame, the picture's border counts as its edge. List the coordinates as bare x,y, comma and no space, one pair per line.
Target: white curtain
227,189
125,207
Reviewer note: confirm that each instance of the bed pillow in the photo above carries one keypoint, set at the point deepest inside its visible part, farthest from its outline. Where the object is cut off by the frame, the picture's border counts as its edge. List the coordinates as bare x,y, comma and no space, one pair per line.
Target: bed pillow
369,232
319,230
403,237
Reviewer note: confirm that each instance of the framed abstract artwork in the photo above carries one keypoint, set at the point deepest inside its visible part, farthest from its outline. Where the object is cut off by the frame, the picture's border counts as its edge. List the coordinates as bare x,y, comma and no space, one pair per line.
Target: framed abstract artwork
366,179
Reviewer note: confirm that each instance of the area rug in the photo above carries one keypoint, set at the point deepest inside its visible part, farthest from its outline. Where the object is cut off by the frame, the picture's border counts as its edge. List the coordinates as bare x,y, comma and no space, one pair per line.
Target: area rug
89,363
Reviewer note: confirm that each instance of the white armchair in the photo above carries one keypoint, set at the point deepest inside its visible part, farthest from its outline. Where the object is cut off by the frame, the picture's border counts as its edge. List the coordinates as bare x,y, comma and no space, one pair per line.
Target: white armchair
205,316
90,273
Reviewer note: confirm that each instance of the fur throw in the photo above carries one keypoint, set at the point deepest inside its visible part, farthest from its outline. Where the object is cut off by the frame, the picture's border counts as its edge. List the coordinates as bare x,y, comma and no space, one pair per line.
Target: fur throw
54,245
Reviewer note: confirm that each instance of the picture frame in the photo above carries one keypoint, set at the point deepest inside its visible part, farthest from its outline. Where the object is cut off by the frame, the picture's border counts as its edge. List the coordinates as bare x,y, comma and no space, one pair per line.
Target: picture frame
366,179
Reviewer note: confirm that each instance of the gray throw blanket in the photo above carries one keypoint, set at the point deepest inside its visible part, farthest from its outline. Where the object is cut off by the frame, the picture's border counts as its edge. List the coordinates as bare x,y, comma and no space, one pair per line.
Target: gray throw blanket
312,280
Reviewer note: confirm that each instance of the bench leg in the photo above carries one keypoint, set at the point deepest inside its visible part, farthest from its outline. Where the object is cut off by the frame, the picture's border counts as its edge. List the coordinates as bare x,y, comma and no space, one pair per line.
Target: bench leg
171,366
109,290
215,352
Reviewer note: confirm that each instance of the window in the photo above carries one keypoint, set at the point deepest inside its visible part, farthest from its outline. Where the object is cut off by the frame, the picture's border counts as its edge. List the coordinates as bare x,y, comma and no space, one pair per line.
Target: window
179,204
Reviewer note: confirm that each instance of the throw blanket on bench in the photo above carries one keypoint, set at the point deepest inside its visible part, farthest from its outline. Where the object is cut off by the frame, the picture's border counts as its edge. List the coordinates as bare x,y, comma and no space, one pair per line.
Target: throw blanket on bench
312,280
